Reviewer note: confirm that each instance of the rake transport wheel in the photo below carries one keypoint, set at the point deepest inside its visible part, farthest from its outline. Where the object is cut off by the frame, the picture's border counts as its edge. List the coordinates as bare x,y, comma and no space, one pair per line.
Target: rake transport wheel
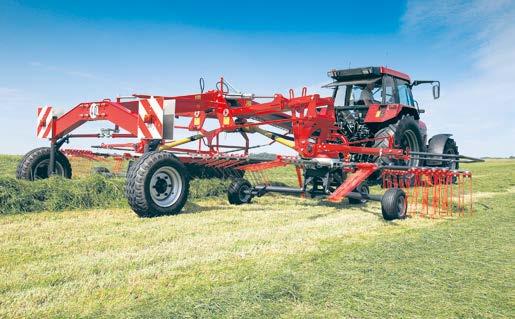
236,192
363,189
157,184
393,204
34,165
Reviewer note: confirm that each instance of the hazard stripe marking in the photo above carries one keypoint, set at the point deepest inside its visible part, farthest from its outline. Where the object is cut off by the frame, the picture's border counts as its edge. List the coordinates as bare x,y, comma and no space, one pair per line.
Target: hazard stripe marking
154,108
44,116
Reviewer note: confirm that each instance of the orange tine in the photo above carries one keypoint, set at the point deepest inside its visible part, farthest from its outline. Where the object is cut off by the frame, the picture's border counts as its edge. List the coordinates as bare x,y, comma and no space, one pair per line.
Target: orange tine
443,198
413,194
460,211
427,185
451,201
470,191
433,200
418,184
443,178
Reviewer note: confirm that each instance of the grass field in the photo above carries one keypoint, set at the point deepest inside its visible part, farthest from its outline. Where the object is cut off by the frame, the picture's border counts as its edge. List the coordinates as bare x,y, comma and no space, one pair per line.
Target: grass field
277,257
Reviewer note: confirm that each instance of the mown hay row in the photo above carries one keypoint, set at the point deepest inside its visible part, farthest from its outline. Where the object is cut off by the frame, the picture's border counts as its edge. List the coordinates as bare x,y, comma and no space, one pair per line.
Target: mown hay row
57,194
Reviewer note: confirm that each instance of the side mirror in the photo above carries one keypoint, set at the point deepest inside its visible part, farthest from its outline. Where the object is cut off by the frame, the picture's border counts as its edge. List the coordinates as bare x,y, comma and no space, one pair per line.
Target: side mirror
436,90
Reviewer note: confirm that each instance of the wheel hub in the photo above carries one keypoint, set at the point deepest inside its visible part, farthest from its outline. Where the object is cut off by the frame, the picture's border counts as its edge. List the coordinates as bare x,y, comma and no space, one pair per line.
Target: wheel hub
162,185
409,141
165,186
40,171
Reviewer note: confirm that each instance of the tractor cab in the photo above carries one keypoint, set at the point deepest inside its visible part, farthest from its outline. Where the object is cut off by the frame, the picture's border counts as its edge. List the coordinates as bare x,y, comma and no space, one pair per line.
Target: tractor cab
371,85
377,94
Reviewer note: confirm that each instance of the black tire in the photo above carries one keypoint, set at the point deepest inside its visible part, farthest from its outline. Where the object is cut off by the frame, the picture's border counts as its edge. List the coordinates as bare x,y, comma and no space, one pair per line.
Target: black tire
450,147
363,189
34,165
406,134
236,194
157,184
104,171
393,204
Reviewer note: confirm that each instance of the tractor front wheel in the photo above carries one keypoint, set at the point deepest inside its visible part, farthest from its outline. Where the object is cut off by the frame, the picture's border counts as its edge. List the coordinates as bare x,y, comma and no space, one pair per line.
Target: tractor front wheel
34,165
393,204
157,184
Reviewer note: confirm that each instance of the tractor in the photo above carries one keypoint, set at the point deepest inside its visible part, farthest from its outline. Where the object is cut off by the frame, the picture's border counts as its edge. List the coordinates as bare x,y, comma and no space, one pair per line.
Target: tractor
375,108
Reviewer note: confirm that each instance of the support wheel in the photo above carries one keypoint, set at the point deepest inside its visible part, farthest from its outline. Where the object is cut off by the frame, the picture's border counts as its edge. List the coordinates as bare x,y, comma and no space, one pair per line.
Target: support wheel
393,204
237,192
157,184
362,189
34,165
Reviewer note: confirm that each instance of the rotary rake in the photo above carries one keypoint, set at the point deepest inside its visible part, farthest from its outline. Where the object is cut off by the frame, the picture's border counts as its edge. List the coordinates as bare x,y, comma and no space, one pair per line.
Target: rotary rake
367,133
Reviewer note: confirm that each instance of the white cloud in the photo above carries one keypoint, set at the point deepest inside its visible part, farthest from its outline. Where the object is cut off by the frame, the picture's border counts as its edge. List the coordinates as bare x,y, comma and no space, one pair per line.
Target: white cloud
479,110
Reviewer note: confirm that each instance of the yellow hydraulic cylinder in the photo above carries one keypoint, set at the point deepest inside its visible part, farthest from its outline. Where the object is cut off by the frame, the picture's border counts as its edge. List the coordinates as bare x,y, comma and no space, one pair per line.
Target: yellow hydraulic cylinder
180,141
272,136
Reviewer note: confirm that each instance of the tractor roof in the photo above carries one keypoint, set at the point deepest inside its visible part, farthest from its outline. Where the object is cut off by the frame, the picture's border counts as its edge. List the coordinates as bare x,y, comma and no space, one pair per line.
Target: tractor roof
370,72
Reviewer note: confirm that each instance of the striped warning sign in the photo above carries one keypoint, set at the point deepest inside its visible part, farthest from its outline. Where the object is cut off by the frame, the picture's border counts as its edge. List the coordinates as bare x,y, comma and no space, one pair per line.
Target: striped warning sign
156,118
44,128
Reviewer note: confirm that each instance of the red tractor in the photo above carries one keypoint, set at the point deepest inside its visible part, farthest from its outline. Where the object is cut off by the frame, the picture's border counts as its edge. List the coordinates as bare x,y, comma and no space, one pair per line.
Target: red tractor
375,108
369,130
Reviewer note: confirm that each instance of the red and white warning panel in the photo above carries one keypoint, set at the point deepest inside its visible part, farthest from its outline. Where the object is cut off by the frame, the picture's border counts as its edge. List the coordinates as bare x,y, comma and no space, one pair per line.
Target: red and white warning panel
156,118
44,128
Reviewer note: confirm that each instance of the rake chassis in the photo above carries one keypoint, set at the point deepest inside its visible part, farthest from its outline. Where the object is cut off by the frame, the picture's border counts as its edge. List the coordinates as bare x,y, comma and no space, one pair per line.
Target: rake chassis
339,148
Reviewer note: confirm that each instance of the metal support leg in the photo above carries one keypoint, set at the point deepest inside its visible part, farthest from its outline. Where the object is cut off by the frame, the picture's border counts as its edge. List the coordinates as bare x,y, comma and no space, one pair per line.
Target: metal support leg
51,163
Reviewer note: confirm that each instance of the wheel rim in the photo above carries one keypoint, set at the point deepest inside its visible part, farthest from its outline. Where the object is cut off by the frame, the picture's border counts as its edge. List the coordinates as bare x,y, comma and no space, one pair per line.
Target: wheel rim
364,190
40,170
242,195
409,140
165,186
452,165
401,206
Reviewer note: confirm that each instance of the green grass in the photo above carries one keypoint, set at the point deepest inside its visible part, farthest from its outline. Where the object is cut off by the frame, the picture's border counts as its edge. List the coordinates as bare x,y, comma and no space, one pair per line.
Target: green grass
278,257
8,165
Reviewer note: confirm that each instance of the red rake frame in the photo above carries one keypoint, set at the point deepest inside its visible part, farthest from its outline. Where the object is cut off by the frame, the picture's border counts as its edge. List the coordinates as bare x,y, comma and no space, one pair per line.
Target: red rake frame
310,119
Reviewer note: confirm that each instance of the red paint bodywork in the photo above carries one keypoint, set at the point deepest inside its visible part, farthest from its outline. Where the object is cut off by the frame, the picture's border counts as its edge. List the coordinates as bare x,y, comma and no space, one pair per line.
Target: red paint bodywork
385,70
378,113
311,118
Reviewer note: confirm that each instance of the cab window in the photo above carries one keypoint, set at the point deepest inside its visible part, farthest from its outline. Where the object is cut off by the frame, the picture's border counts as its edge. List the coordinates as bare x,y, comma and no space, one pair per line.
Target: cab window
405,96
389,93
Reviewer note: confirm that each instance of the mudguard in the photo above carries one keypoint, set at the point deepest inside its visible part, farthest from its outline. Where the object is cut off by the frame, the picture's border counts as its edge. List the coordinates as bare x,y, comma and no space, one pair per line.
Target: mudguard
436,145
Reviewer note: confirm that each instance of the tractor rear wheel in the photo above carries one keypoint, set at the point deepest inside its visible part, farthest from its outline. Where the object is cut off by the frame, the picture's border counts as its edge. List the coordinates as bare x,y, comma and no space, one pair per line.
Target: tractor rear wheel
393,204
237,192
157,184
34,165
451,148
406,135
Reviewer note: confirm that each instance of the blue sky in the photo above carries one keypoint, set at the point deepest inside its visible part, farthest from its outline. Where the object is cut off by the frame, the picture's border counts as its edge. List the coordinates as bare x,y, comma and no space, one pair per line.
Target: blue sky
65,52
